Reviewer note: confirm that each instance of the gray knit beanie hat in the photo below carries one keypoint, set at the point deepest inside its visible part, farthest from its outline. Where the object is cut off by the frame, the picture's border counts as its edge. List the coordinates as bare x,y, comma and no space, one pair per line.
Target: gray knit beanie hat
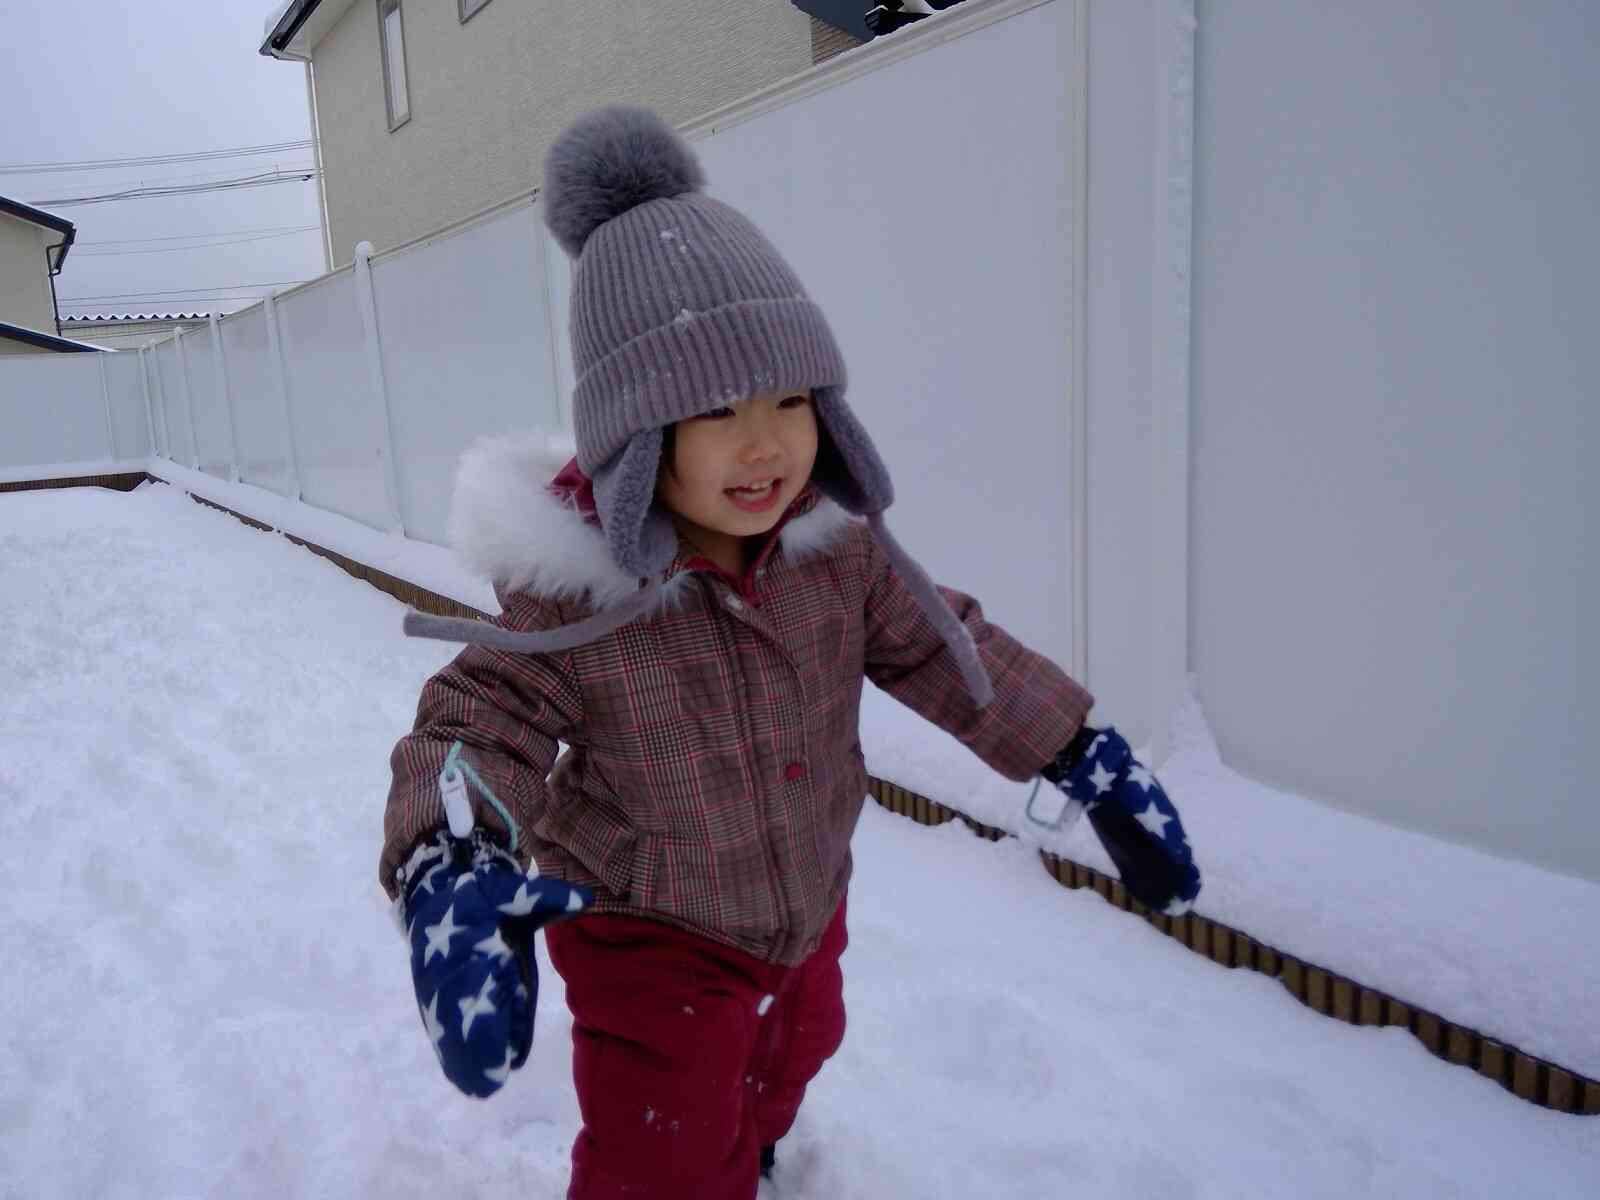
679,306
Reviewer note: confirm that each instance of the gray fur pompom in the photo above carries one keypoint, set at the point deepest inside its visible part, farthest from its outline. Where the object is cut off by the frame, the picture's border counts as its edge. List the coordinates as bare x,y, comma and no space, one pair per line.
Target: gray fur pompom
607,162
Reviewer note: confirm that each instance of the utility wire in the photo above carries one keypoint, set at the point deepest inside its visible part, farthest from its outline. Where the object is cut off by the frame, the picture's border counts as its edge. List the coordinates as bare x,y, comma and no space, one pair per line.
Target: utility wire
265,179
214,175
97,164
260,237
215,289
183,237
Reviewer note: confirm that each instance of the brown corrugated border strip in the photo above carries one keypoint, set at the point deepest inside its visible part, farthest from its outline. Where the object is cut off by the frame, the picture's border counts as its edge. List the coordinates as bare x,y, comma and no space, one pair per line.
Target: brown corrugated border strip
1524,1075
124,482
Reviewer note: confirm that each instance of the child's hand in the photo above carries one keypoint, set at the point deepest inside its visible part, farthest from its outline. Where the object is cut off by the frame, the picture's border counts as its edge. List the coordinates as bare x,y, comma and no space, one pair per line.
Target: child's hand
470,913
1132,816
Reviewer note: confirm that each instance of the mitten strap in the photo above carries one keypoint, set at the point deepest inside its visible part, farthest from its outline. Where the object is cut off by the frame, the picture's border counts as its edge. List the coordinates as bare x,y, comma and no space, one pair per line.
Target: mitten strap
454,761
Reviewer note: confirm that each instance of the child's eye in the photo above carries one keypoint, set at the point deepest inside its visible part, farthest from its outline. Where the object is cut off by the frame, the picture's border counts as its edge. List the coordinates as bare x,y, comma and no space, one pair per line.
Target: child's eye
717,414
794,401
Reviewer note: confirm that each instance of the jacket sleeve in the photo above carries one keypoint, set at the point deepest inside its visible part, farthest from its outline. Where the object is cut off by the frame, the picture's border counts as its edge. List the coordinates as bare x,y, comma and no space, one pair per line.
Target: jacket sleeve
1036,708
507,711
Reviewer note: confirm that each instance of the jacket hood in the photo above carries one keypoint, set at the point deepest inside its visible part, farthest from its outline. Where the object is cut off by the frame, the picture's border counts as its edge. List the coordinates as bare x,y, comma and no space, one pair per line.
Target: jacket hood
523,516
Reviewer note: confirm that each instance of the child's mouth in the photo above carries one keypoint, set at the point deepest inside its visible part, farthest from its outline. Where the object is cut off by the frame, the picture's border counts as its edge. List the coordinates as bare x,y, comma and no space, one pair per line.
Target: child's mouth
755,499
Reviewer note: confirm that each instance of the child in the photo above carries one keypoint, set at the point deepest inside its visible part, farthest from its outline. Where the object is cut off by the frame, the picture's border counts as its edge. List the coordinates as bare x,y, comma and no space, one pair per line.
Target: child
692,606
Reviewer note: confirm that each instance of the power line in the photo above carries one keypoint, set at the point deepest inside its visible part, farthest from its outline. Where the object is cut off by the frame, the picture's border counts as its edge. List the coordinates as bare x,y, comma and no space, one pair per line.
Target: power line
264,179
96,164
214,290
260,237
182,237
211,176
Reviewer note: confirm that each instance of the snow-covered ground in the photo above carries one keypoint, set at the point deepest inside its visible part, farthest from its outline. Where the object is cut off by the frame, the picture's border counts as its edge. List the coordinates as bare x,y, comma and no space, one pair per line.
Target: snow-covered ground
208,996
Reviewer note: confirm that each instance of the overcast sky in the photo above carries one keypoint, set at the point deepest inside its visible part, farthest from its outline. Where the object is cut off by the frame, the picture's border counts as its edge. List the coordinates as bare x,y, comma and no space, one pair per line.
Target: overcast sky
102,79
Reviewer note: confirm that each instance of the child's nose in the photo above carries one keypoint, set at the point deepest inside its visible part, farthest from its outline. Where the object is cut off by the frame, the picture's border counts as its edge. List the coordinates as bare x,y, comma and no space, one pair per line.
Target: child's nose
761,441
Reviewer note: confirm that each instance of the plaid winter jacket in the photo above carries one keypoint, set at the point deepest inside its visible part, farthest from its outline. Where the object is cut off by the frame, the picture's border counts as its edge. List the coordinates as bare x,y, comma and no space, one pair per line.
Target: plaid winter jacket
713,774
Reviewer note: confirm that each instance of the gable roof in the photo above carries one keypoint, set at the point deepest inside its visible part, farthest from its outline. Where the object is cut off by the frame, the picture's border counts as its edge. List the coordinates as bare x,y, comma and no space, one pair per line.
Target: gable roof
45,341
37,216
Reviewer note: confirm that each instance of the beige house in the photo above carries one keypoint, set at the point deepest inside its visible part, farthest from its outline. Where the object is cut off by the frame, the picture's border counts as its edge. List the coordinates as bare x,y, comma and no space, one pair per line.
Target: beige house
33,247
130,331
428,111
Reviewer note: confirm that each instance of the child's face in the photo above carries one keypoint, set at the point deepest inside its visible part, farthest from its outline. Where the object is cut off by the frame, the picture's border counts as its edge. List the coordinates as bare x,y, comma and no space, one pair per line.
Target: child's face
771,436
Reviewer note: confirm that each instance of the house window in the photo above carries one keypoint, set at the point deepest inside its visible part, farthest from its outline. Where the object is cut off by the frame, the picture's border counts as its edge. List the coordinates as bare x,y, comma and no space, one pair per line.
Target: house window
392,36
468,7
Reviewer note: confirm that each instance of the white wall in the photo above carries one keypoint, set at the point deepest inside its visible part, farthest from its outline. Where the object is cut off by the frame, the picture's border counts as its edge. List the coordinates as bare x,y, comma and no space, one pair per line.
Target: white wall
1395,336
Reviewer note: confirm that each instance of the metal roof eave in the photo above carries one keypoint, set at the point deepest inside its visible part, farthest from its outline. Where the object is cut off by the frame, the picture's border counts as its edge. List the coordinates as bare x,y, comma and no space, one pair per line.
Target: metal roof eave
300,25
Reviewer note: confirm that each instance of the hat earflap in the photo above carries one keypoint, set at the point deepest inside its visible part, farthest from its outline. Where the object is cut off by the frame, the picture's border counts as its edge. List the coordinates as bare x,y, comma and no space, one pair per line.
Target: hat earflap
849,470
639,535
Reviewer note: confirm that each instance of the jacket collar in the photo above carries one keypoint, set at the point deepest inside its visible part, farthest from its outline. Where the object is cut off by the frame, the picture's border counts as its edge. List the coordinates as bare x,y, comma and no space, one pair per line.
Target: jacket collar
691,559
523,517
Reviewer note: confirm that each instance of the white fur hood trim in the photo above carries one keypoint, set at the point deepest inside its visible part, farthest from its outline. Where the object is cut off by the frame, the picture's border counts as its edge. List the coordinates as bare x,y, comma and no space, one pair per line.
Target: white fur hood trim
507,526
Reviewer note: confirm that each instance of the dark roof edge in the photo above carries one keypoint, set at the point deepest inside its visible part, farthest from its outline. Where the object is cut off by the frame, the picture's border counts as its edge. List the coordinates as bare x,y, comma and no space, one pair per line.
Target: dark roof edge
16,333
288,25
37,215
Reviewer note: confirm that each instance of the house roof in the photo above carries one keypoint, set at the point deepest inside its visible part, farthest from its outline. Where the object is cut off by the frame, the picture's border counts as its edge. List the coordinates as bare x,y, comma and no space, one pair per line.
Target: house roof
293,27
45,341
848,15
107,317
26,212
851,15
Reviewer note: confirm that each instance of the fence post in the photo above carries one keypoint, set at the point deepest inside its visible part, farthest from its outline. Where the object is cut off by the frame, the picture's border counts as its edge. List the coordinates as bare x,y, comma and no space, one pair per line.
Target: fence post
149,418
280,379
220,364
369,322
188,402
559,346
105,394
162,405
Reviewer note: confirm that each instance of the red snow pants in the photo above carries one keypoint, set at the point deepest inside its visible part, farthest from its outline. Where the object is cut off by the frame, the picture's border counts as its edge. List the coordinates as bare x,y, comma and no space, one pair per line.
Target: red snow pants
688,1056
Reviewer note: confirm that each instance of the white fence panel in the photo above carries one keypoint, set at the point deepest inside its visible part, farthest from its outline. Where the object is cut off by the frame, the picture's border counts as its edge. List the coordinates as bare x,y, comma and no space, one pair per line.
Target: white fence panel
130,433
466,352
158,417
52,410
178,433
950,291
337,421
210,422
1396,310
257,410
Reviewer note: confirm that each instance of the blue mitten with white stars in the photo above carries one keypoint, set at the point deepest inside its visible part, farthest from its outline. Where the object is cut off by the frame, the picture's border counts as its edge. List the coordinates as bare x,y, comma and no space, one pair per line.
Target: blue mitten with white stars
1132,817
470,913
